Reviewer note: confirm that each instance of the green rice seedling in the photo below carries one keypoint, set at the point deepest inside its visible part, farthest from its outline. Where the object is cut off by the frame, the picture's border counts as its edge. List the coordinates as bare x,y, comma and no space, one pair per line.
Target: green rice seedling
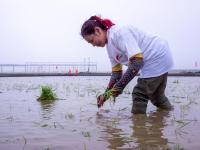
178,147
176,81
183,123
44,125
123,109
58,125
86,134
70,116
11,118
85,147
25,141
47,94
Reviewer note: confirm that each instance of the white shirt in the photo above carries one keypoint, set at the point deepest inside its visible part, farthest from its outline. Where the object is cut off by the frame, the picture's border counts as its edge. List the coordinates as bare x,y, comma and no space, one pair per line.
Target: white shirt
124,42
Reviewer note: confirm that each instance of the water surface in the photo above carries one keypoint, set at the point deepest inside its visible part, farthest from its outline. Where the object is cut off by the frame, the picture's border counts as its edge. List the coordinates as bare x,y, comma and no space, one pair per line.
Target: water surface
74,122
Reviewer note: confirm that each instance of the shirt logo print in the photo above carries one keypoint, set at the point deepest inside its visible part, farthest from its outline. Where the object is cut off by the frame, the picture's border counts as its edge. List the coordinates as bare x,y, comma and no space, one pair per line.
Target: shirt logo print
118,57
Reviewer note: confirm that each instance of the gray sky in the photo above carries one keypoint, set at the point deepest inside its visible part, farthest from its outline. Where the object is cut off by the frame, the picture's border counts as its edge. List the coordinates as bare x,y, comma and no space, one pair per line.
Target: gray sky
49,30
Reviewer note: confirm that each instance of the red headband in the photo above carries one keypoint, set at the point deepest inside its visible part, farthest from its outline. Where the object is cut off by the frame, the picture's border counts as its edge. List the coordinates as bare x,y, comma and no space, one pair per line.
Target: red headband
106,22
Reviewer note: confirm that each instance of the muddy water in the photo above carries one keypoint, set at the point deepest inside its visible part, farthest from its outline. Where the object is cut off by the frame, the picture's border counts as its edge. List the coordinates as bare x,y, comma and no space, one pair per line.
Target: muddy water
74,122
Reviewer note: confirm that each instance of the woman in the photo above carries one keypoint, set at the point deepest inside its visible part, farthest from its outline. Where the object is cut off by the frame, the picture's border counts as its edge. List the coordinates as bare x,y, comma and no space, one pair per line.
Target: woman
139,51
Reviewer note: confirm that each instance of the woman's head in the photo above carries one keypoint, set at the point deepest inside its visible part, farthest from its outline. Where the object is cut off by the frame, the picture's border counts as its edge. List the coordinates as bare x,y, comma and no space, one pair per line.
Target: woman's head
94,30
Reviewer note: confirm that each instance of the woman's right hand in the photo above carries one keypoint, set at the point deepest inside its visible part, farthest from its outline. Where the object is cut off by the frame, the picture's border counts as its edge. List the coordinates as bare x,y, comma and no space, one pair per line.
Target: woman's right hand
100,100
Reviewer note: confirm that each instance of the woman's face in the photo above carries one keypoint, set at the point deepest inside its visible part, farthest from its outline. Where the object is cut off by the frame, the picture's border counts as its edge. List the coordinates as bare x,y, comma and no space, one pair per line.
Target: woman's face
98,38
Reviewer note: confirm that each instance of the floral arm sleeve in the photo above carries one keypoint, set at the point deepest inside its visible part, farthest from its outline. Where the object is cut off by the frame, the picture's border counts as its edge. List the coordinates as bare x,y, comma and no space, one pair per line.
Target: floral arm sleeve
135,64
115,76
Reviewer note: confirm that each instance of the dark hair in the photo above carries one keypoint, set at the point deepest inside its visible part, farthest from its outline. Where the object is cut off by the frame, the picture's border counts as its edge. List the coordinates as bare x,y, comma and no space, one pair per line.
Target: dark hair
95,21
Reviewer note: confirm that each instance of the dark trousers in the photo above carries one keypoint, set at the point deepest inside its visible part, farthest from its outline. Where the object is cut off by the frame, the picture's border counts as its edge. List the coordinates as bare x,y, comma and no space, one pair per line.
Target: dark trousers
152,89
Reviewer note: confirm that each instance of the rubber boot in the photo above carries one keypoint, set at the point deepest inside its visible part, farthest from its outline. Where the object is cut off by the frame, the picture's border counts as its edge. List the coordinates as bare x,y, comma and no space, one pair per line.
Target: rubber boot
166,105
139,107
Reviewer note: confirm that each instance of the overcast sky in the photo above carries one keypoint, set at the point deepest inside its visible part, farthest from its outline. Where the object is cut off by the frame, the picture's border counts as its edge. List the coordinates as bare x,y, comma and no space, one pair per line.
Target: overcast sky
49,30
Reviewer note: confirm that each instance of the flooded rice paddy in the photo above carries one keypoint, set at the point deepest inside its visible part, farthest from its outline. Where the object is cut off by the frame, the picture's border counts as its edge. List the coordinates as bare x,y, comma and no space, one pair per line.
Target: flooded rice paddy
73,122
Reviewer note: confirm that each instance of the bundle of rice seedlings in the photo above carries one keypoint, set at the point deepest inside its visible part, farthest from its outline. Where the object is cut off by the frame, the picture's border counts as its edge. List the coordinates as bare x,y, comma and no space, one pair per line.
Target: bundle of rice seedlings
47,94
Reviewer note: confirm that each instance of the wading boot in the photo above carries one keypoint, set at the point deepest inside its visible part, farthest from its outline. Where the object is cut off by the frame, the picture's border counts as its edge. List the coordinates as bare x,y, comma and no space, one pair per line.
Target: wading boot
139,107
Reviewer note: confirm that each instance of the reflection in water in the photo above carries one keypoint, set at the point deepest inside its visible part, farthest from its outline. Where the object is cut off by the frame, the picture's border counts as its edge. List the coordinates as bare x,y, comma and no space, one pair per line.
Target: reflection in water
47,108
111,133
146,131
